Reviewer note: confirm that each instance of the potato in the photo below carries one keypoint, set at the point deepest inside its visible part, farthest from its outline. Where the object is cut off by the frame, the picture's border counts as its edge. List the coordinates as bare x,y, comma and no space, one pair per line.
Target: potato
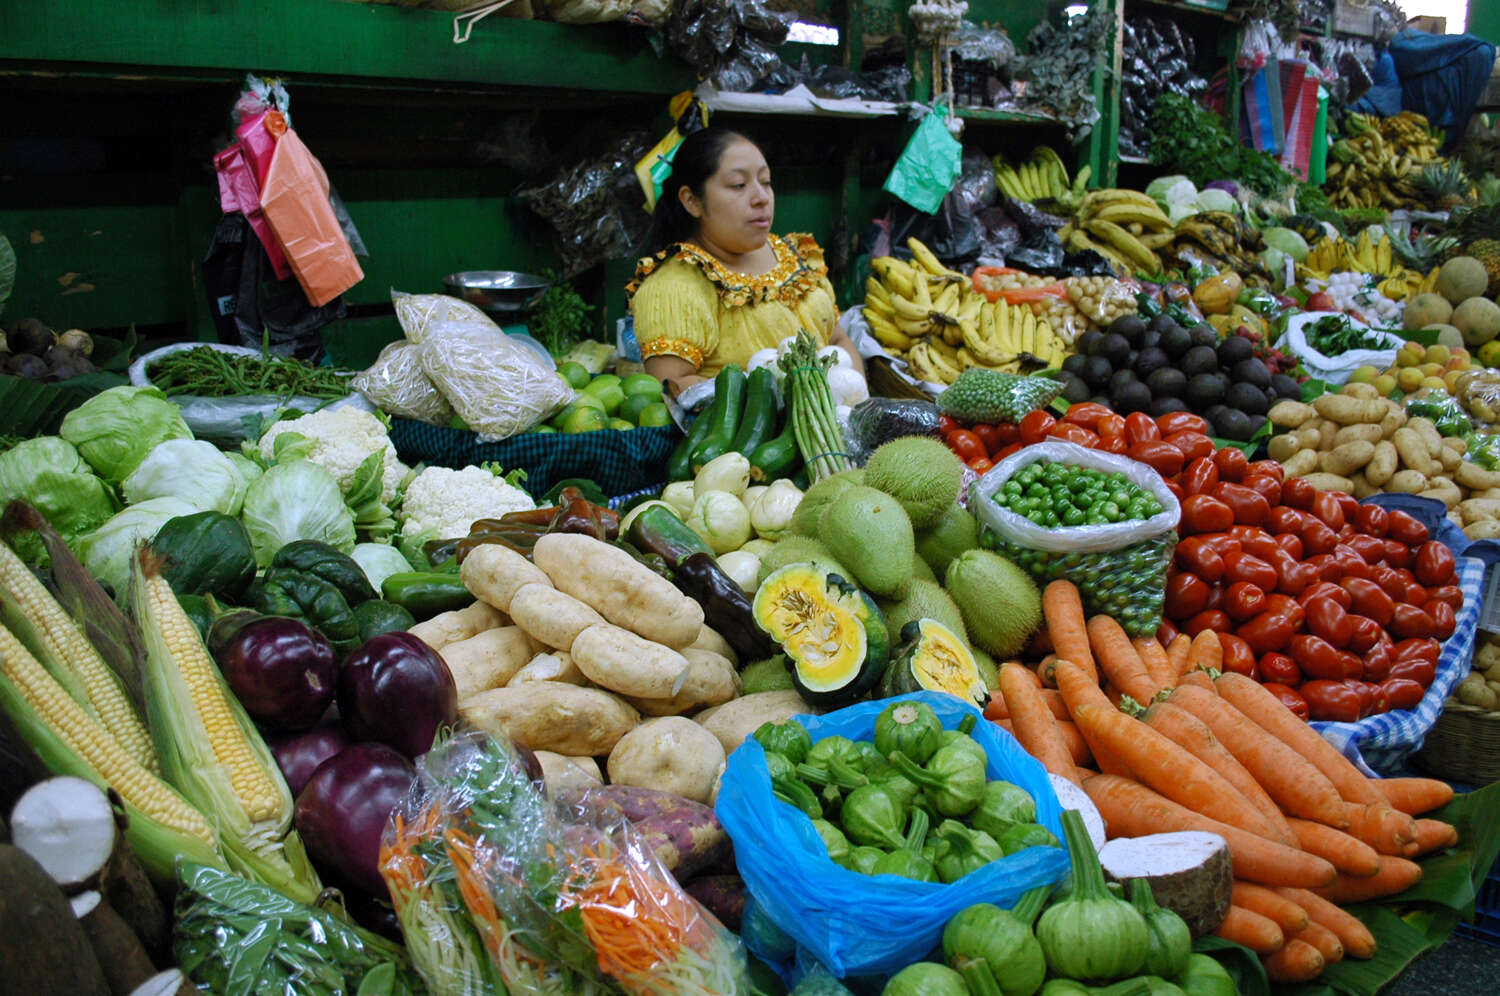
1329,482
710,639
460,624
1486,529
711,679
1327,429
619,588
613,657
1450,459
1362,487
1486,493
1349,410
1410,481
1283,448
494,573
1356,433
487,660
1444,491
1412,449
550,715
549,616
671,753
736,719
1344,460
562,773
1479,509
1395,418
1383,463
1290,414
1457,444
550,665
1471,475
1308,437
1430,436
1301,464
1358,390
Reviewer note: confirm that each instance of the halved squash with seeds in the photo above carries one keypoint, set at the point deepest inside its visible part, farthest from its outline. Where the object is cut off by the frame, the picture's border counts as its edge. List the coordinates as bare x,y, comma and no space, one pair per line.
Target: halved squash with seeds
831,630
933,657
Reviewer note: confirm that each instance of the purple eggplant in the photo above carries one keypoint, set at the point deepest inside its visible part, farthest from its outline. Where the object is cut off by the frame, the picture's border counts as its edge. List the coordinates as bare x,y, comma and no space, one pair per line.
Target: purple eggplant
342,811
299,754
396,690
282,671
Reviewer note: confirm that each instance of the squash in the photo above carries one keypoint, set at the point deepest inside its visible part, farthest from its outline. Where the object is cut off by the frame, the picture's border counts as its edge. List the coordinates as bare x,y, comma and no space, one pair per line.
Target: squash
206,553
831,630
934,658
327,562
378,616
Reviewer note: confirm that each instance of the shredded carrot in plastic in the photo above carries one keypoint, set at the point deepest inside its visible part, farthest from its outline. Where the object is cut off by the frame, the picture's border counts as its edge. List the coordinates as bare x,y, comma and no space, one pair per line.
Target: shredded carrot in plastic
1022,295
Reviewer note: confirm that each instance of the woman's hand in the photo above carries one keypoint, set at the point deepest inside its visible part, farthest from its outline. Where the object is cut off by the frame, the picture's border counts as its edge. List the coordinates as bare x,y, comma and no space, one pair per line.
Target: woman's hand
675,373
841,339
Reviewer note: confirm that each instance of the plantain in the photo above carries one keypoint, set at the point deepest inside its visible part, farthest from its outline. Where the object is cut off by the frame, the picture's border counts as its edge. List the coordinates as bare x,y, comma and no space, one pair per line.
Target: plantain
1126,244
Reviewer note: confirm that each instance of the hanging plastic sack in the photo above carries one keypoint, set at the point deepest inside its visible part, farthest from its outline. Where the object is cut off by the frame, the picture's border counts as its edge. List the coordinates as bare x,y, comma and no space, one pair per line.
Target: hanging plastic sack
929,165
294,197
239,191
1120,568
860,924
396,385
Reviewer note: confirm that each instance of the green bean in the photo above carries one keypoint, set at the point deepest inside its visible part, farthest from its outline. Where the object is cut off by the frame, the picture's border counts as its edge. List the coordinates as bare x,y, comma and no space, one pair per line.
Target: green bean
214,373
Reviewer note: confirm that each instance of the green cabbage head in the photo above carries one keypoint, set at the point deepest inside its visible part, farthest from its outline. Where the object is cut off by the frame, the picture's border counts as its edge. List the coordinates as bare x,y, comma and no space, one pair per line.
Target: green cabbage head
115,429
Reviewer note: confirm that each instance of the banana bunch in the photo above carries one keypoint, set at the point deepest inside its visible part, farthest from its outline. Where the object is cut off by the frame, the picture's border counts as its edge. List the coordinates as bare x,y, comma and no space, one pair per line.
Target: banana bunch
1123,226
906,303
1418,284
1042,177
1010,338
1218,239
1364,255
1377,164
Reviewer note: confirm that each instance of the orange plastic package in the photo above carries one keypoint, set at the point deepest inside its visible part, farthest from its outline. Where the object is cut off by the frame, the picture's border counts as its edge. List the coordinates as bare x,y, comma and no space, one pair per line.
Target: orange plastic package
294,198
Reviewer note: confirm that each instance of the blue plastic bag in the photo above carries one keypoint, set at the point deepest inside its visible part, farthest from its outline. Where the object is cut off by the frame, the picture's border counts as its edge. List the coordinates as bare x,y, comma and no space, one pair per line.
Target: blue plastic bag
861,924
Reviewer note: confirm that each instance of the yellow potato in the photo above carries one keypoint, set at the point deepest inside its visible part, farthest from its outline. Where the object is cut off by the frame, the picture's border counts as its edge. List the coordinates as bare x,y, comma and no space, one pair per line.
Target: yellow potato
1444,491
615,658
1413,451
1450,458
551,715
460,624
1471,475
1479,509
1412,482
1344,460
1365,392
1457,444
550,665
494,573
549,616
1327,429
736,719
710,639
1282,448
619,588
1362,487
1347,410
1356,433
1395,418
711,680
1301,464
1290,414
1330,482
1430,436
1383,463
487,660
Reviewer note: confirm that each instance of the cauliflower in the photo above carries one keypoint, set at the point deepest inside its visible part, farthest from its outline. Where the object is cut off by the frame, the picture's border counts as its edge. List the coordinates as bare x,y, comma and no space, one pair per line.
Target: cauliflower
443,503
341,439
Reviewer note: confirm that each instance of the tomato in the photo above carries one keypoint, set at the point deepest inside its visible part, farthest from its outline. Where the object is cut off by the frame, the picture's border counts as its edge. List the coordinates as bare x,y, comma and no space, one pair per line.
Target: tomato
1255,541
1176,490
1267,487
1329,569
1250,507
1187,595
1238,657
1201,476
1378,658
1279,667
1290,698
1298,492
1444,619
1242,566
1196,555
1410,622
1035,426
1332,701
1114,444
1267,468
1326,507
1284,519
1077,435
1450,594
1326,618
1110,426
1005,452
1141,428
1370,549
1086,413
1317,537
1174,422
1213,619
947,424
1267,632
1194,445
1405,529
980,465
1317,657
1232,464
1325,589
1402,693
1425,649
1397,554
1364,633
1164,458
1421,671
1204,514
1009,432
1292,544
966,445
1434,563
1348,504
1372,520
1167,633
1243,600
989,435
1293,576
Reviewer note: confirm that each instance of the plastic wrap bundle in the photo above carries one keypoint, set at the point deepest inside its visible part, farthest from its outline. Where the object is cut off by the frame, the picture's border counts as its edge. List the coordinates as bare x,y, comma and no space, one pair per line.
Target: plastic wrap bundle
498,386
1120,568
396,385
1158,59
876,421
496,888
732,42
417,312
595,205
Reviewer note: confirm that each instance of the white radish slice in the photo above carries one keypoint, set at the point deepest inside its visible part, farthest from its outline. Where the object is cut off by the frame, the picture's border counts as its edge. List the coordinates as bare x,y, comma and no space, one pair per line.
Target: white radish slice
67,825
1189,871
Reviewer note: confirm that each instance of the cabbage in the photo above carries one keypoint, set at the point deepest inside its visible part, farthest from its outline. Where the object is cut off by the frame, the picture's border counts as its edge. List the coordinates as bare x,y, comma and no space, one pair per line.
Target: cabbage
1214,199
115,429
379,561
1166,190
1287,241
248,468
50,473
292,501
106,552
190,469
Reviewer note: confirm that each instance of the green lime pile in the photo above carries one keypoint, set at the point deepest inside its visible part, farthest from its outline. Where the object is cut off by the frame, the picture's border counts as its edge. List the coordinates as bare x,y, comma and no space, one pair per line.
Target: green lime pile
608,401
1057,496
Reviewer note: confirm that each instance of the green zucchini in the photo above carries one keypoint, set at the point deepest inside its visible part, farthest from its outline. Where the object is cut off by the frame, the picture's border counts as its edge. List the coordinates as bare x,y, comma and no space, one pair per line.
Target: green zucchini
776,457
759,419
728,408
680,463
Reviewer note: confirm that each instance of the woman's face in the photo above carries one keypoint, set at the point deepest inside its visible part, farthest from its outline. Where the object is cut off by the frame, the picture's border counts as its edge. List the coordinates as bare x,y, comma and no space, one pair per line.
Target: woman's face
738,204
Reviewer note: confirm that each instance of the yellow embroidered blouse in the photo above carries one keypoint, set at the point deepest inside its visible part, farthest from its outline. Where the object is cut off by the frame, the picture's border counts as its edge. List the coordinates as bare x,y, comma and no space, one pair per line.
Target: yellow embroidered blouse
688,304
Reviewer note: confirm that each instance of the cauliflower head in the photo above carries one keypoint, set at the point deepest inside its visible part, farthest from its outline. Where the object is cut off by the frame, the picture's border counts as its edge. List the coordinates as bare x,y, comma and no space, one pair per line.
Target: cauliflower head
444,503
341,440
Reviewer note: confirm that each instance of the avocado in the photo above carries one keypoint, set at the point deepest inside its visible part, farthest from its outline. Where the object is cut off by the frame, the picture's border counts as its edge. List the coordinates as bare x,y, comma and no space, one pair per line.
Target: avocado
1150,338
1132,396
1120,378
1132,327
1115,349
1150,360
1232,424
1247,398
1096,372
1074,364
1204,334
1198,360
1286,386
1175,341
1203,390
1131,357
1233,350
1163,322
1163,406
1256,422
1167,382
1251,371
1074,389
1088,342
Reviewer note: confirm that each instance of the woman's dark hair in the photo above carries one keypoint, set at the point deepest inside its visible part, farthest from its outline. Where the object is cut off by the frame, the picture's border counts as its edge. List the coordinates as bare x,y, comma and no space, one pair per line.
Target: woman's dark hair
696,160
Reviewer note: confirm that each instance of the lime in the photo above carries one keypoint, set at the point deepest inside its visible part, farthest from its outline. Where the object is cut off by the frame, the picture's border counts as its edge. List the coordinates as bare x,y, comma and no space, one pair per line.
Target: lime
654,414
576,374
641,383
610,396
584,399
544,428
621,424
586,420
634,404
603,381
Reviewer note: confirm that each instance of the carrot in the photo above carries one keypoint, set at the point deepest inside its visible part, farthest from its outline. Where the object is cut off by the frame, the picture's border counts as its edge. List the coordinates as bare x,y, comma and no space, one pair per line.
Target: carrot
1254,931
1130,809
1298,788
1382,827
1356,938
1414,796
1206,652
1297,961
1046,671
1062,608
1118,660
1277,908
1177,655
1190,732
1078,689
1434,835
1266,710
1350,855
1170,769
1115,696
1395,875
1158,666
1051,696
1197,678
1035,726
1320,937
1077,746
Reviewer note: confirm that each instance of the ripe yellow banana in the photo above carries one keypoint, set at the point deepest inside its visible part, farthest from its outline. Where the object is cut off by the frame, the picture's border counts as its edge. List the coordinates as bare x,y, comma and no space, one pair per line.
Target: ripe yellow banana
886,333
928,260
1126,244
947,300
923,294
896,275
1099,199
908,310
1127,213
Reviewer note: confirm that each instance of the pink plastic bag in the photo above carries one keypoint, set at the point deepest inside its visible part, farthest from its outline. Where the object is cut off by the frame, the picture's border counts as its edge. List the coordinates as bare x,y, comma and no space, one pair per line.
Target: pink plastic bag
294,197
239,191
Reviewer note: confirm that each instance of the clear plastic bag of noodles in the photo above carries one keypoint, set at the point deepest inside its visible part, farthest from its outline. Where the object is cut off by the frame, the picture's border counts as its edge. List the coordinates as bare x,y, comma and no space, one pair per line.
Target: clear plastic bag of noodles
396,385
561,899
417,312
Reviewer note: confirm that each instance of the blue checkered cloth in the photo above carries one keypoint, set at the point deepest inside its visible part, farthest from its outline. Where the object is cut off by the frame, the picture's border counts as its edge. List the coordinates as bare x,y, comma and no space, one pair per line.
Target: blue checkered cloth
1383,743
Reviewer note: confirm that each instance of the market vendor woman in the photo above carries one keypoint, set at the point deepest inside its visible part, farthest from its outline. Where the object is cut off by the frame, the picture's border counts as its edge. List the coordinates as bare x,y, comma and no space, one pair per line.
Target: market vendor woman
719,286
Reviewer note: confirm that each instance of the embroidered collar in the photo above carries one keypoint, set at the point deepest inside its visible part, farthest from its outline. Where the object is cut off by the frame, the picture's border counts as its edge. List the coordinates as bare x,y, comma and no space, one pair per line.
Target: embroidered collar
799,268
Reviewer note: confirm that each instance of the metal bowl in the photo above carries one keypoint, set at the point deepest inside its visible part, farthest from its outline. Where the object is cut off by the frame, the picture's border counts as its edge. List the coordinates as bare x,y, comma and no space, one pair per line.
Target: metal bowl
496,290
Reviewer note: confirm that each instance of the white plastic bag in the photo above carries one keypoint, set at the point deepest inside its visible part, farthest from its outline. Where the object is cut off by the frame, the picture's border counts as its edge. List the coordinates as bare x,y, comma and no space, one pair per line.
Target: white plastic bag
396,384
1335,370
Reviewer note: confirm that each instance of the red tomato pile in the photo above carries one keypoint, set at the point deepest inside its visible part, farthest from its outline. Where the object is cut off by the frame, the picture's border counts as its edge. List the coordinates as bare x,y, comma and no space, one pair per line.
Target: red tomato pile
1337,607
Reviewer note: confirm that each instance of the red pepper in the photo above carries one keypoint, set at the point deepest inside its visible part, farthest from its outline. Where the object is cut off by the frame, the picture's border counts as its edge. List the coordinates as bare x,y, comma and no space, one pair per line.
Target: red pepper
1372,520
1364,633
1140,427
1250,507
1317,537
1411,622
1035,426
1326,618
1166,633
1242,566
1290,698
1187,595
1164,458
1116,445
1197,555
1353,664
1110,426
1405,529
1292,544
1397,554
1267,631
1298,492
1232,464
1284,519
1213,619
1444,619
1316,657
1266,486
1175,422
1425,649
1451,594
1204,514
1331,701
966,445
1326,507
1086,413
1434,563
1329,568
1242,601
1238,657
1402,693
1370,549
1194,445
1201,476
1421,671
1325,589
1279,667
1070,433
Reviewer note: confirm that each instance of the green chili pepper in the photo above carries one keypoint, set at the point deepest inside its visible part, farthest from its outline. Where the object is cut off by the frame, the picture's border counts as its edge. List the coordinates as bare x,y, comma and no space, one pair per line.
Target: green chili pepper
968,850
954,777
788,738
873,815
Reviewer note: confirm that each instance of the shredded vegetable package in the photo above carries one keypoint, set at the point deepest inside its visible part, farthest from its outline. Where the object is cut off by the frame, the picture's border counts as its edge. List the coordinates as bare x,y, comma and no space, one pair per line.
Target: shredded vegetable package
418,312
396,385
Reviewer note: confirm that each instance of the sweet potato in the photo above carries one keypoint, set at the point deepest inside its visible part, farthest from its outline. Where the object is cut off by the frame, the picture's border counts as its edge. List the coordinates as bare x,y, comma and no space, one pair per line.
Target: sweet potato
550,616
550,715
494,573
672,753
619,588
487,660
721,895
687,842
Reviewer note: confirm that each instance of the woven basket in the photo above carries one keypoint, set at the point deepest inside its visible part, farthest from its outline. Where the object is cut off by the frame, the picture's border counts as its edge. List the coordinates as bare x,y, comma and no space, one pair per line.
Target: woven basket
1463,745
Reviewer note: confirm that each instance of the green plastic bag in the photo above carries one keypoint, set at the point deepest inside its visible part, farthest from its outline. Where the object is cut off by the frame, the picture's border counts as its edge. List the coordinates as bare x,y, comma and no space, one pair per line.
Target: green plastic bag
929,165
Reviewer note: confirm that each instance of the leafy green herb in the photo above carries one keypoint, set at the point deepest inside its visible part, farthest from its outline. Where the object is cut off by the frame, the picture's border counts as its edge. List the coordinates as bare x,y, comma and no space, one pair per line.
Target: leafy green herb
559,316
1059,67
1335,335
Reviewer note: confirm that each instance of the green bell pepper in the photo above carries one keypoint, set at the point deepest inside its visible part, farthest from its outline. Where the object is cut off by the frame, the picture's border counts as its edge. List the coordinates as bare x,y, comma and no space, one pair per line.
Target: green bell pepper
910,727
954,778
968,850
788,738
306,597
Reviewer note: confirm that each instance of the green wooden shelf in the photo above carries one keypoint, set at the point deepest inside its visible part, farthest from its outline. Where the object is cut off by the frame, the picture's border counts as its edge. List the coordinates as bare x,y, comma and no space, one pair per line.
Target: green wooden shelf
991,115
1189,7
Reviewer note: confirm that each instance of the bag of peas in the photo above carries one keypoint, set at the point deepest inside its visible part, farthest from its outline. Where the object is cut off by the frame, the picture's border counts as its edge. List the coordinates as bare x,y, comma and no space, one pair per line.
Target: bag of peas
1104,522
